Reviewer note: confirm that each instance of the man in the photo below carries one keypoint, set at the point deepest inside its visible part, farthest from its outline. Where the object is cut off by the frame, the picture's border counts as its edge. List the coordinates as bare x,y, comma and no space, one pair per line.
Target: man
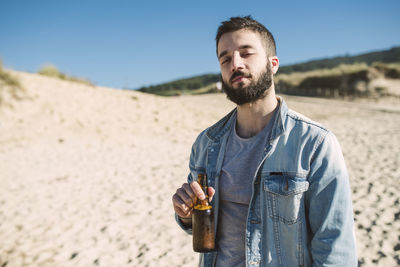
278,180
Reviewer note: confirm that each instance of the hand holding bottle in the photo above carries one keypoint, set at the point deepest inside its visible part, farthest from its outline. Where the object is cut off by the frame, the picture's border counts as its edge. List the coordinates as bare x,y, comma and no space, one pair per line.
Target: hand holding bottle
185,198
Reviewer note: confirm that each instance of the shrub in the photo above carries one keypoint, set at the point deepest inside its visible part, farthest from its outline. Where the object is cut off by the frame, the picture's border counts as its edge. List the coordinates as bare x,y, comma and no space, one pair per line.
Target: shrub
391,71
7,79
10,88
344,80
52,71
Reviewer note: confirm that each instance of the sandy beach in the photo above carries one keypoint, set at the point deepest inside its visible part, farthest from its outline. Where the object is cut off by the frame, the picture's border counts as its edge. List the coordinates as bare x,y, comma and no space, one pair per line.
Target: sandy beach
87,173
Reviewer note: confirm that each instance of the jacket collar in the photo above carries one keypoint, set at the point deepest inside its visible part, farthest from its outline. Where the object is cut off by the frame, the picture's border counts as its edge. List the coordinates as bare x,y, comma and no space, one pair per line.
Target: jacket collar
219,129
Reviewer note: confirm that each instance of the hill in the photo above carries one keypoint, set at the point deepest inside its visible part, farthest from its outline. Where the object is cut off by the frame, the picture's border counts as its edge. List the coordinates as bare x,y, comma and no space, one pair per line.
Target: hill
87,172
206,83
184,86
351,80
384,56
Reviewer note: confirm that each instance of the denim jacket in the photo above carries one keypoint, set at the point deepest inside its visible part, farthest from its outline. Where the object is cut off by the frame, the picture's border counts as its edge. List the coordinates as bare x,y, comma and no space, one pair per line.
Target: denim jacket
300,213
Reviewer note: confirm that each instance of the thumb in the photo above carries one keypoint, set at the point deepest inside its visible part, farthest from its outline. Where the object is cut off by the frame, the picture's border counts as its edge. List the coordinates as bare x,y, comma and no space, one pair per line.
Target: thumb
211,193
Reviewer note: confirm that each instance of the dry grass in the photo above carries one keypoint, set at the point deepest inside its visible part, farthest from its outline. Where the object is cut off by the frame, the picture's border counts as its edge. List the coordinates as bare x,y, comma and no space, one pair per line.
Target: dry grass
295,78
7,79
10,87
52,71
354,80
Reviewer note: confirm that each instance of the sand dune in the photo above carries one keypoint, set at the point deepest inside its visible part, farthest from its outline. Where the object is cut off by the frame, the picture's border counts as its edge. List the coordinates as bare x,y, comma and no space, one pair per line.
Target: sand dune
87,173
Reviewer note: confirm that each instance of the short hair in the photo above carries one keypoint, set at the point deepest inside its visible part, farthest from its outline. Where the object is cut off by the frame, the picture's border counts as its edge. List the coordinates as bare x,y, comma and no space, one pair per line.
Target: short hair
247,23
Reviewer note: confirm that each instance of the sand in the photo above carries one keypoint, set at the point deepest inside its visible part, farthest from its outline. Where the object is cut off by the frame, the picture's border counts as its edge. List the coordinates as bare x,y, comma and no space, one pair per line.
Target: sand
87,173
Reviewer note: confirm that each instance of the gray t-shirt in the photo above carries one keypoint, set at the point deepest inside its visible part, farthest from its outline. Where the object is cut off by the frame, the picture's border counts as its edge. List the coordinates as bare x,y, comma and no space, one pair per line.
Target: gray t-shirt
235,188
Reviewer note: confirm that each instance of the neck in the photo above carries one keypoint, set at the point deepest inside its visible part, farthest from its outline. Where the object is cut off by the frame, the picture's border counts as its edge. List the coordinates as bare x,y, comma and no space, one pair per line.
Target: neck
253,117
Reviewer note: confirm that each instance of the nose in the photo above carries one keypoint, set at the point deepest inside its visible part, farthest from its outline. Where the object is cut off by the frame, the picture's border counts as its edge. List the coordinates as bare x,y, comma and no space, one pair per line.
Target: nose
237,62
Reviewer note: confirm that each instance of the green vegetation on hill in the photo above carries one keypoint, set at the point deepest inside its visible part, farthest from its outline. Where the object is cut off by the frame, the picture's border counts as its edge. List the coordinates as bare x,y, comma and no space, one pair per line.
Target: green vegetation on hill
299,72
343,81
386,56
10,87
52,71
7,79
194,85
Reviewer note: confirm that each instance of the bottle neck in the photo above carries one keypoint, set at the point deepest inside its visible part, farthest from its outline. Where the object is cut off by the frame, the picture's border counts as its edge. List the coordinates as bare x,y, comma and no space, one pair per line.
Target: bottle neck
203,204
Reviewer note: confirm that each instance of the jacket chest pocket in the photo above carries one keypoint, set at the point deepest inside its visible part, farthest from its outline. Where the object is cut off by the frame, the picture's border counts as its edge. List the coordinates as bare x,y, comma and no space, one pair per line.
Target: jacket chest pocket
285,197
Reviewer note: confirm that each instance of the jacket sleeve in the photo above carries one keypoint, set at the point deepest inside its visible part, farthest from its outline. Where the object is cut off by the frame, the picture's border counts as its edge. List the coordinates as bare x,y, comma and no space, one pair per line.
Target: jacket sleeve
195,146
329,205
185,228
188,230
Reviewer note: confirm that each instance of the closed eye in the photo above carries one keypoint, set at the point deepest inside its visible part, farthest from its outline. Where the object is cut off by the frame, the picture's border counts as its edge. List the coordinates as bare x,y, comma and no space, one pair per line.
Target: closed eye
246,54
225,60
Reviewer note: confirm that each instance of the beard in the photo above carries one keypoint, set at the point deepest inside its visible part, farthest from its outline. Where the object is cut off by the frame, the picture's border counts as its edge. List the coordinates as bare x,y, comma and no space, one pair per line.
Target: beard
254,91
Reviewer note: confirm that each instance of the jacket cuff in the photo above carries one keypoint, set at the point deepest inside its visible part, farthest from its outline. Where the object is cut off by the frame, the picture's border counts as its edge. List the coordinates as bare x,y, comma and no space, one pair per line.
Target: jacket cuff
187,229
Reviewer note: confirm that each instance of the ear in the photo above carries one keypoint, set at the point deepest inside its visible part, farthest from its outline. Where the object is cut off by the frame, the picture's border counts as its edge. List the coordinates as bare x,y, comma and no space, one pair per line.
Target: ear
274,64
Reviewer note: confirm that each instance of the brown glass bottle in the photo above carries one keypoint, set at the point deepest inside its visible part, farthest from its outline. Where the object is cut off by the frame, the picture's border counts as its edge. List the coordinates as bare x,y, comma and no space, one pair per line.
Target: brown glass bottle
203,221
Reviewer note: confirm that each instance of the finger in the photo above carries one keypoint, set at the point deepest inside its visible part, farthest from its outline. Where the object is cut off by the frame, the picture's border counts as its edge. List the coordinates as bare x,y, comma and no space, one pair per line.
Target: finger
182,214
189,192
197,190
180,207
185,197
211,193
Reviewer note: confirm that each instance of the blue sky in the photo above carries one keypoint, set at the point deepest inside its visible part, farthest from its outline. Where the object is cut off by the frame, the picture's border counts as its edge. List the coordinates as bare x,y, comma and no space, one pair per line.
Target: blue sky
129,44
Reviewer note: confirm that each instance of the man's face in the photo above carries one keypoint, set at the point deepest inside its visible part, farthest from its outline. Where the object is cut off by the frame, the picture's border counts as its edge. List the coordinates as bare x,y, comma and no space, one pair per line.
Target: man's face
245,68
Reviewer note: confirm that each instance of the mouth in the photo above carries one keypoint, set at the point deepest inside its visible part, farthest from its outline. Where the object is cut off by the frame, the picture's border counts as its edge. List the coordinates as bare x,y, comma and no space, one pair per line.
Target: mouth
239,76
238,79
